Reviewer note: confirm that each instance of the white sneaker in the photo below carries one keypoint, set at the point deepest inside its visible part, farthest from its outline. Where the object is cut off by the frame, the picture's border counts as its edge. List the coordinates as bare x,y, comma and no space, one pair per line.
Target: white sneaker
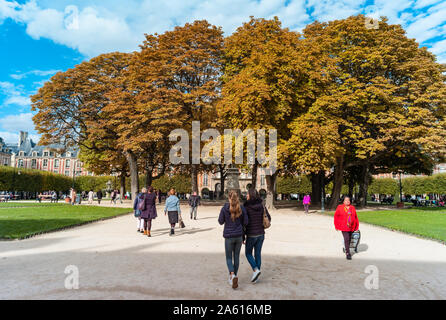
230,279
255,275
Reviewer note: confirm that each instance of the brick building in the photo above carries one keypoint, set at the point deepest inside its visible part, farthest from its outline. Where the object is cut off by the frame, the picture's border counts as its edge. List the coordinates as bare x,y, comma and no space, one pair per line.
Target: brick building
28,155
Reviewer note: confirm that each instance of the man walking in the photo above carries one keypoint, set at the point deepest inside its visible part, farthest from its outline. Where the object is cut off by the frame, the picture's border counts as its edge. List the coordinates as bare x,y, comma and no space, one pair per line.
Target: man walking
194,202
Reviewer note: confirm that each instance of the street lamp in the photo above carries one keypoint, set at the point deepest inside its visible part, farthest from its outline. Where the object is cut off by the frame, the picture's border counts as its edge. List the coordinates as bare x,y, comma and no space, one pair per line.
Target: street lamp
322,193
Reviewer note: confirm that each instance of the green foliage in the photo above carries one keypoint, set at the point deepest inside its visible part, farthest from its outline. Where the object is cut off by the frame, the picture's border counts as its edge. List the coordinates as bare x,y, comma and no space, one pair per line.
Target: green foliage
32,180
288,185
181,183
95,183
422,185
384,186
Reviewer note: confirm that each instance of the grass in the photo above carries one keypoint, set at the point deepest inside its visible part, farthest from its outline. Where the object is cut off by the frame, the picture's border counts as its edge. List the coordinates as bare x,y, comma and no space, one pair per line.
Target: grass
28,204
425,222
23,222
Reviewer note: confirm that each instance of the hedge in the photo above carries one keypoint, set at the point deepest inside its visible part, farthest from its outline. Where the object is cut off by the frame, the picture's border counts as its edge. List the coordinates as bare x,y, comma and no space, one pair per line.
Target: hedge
14,179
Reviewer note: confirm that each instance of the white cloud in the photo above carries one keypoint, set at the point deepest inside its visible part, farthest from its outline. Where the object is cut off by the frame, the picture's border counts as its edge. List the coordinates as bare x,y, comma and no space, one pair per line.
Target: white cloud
17,122
14,95
39,73
105,26
13,137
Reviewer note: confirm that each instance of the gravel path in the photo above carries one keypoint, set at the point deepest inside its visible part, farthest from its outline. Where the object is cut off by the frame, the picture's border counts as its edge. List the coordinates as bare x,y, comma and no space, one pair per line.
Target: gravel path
302,259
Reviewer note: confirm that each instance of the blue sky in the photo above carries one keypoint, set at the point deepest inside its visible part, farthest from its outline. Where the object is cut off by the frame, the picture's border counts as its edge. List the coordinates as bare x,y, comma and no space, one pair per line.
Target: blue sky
40,37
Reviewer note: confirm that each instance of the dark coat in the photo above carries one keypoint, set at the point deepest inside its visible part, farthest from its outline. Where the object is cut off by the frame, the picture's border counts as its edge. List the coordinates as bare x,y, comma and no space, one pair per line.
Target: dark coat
150,210
254,209
232,229
99,194
194,201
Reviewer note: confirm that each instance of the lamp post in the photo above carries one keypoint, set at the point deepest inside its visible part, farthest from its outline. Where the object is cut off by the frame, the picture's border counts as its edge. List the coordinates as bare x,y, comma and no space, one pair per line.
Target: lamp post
401,188
322,194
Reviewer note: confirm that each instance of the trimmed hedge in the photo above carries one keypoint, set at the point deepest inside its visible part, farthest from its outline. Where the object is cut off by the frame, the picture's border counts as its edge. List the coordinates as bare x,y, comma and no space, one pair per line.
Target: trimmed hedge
28,180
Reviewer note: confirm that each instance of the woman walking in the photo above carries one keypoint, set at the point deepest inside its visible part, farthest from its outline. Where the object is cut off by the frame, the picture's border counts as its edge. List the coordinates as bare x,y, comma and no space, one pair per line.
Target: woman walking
172,209
234,218
306,202
90,197
136,204
255,232
346,220
148,213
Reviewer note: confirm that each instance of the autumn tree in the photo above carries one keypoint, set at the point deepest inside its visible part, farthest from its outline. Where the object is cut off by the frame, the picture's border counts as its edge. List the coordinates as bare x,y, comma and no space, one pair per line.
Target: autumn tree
387,97
71,111
267,82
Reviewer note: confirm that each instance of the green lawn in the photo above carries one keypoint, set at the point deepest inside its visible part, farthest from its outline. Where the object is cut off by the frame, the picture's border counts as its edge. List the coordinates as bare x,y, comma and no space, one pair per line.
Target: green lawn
426,222
19,222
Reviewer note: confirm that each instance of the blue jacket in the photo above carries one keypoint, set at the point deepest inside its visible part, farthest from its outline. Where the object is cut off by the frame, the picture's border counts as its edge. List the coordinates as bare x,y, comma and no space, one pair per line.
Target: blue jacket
232,229
172,204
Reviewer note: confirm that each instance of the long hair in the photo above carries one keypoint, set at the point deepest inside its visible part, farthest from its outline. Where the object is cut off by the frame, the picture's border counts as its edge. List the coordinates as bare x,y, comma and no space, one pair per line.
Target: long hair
253,194
234,205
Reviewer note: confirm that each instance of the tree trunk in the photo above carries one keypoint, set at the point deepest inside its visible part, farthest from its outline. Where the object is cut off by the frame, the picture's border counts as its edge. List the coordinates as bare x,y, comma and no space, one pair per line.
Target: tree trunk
254,174
133,165
316,187
122,187
364,185
194,177
222,181
270,190
337,182
149,178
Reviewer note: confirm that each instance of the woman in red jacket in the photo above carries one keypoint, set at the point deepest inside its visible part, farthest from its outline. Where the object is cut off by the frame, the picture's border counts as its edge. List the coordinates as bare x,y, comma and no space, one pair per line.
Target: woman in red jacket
346,220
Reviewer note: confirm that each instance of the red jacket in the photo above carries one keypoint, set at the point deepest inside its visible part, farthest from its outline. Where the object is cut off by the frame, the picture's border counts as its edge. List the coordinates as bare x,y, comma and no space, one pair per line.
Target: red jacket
346,220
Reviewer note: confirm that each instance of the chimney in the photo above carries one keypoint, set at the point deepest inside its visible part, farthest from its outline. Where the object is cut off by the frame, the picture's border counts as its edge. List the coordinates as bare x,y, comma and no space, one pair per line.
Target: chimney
23,136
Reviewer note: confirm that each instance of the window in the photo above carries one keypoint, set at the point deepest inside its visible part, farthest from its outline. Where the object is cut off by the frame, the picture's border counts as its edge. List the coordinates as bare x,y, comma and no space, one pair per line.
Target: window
262,180
205,179
45,162
56,163
78,164
22,153
45,154
33,163
67,164
51,154
6,161
34,154
20,163
67,173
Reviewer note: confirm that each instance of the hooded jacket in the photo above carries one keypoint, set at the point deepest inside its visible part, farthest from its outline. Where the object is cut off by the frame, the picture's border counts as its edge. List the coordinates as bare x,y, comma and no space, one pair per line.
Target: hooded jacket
255,208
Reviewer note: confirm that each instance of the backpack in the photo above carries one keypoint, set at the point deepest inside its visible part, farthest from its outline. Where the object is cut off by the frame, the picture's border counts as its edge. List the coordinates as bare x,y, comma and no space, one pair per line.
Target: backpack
141,206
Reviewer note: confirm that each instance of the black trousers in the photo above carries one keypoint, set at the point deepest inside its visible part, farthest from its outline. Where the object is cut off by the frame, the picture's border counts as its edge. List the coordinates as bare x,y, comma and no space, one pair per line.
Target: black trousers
347,238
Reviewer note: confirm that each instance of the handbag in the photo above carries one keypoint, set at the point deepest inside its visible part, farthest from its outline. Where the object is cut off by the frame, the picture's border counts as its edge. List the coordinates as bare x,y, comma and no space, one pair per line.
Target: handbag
142,203
181,223
266,222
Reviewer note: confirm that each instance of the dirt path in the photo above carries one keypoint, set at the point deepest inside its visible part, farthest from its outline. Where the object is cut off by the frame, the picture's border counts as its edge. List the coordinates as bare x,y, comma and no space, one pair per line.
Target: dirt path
302,259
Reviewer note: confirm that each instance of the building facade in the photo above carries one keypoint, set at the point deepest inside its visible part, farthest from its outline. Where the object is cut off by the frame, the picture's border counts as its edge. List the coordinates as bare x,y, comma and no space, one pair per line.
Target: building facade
53,158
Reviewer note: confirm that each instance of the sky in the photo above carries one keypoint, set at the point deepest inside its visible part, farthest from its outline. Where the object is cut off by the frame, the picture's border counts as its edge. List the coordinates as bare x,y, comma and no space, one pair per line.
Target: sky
41,37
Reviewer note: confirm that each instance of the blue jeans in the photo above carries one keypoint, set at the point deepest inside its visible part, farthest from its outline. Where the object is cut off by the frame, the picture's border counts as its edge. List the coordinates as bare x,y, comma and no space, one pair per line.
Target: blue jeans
255,243
232,250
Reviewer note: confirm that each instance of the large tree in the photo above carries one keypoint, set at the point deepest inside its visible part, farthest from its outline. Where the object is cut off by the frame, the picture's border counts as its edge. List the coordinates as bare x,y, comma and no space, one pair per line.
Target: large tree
266,82
387,97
